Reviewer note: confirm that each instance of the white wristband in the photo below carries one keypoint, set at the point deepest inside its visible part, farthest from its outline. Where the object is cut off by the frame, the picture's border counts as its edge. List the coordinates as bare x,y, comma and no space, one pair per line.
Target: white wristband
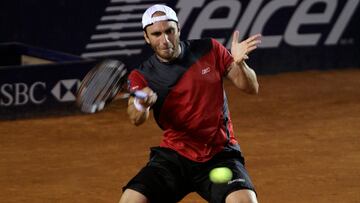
139,106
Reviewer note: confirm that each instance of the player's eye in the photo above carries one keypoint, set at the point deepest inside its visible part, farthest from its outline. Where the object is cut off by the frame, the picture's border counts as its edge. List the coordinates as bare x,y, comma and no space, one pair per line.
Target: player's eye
156,34
170,31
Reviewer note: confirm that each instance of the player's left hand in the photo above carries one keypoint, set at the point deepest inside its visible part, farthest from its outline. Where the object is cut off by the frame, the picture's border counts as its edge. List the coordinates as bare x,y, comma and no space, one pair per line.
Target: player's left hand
240,51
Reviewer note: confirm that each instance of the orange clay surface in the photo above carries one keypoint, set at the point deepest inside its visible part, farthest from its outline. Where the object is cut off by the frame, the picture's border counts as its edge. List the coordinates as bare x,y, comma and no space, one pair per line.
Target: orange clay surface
300,137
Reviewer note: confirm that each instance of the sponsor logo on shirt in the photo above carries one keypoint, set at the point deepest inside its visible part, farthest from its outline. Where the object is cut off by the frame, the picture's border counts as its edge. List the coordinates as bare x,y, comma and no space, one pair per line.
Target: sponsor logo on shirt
205,70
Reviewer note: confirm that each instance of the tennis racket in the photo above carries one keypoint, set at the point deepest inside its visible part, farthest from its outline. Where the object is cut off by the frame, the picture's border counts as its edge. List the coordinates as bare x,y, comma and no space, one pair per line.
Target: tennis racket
102,84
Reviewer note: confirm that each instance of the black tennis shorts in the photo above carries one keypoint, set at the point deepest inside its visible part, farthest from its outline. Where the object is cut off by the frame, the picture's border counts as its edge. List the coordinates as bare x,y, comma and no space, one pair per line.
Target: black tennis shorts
168,177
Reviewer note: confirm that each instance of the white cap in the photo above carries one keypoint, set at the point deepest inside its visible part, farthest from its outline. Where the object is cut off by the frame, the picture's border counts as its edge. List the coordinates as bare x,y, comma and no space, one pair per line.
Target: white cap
147,18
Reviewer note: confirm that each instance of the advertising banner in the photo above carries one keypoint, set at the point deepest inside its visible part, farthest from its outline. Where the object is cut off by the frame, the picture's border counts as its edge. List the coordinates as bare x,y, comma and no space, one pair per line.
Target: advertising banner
50,84
297,34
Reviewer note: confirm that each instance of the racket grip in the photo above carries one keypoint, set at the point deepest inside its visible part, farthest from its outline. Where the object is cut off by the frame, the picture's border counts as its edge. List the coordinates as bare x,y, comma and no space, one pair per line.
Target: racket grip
139,94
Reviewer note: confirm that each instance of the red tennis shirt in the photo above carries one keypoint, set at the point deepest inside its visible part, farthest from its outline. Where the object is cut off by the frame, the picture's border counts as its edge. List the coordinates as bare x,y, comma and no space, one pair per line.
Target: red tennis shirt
191,108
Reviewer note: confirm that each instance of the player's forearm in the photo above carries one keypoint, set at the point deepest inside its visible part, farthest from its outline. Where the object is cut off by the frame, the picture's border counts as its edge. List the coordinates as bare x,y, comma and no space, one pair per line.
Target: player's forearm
244,77
250,78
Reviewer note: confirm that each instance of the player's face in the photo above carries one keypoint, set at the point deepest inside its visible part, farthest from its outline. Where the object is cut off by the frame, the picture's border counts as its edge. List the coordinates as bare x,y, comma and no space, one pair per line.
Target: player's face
164,37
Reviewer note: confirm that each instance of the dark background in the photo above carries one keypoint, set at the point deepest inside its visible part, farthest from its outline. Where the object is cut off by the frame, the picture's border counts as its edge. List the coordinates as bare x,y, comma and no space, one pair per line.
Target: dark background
67,25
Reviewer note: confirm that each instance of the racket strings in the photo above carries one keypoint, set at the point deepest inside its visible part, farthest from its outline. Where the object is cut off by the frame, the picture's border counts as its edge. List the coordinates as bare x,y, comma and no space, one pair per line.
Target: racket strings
101,85
97,85
115,86
105,92
93,90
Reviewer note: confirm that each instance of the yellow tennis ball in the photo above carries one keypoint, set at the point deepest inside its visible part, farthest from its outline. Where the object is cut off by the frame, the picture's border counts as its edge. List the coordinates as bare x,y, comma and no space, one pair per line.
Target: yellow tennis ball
220,175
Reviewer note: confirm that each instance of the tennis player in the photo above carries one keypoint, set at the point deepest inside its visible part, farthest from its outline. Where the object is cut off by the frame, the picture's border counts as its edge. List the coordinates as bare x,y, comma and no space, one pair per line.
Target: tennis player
184,84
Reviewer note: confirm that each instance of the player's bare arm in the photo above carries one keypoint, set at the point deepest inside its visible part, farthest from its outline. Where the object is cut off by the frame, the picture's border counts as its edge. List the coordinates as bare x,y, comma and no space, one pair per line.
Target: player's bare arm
240,73
138,109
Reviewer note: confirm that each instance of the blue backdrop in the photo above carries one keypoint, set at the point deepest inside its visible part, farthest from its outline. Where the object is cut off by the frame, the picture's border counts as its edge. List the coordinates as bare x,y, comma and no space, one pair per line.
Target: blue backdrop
298,34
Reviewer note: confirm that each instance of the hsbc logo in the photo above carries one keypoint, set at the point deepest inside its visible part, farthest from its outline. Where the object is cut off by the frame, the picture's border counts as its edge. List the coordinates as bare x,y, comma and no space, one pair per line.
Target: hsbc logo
65,90
306,23
20,94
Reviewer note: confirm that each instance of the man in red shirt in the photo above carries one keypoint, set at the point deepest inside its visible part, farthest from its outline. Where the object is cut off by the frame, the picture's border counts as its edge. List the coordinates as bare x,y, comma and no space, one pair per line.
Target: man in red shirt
183,81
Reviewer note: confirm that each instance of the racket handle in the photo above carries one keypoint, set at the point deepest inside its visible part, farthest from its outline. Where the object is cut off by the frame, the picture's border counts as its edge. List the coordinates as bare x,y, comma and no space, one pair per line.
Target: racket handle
139,94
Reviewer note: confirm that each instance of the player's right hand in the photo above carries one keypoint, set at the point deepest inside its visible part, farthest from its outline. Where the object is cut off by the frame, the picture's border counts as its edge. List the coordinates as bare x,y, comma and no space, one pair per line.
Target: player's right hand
150,99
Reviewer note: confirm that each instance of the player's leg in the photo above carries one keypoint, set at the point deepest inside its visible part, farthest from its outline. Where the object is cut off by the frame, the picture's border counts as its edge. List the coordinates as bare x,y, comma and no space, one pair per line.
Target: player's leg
132,196
161,180
241,196
239,189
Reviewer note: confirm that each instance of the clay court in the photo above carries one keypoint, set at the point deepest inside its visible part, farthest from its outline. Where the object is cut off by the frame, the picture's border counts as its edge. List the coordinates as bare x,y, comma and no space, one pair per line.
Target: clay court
300,136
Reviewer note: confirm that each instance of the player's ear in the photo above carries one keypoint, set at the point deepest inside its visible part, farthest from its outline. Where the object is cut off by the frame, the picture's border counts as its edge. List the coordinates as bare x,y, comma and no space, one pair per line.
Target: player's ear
146,37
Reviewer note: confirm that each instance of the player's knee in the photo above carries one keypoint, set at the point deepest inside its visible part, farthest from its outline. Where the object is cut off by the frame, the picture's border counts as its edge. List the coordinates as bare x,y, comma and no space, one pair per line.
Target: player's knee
241,196
132,196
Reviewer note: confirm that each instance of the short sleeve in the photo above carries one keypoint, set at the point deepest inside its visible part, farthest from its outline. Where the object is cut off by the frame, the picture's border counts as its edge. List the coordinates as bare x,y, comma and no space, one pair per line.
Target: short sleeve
224,58
136,81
